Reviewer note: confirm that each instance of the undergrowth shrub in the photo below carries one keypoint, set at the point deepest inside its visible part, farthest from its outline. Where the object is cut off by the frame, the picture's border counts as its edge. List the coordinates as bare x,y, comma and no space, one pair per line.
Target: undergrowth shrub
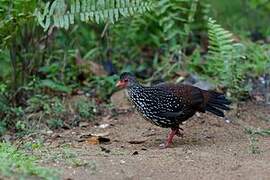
55,123
86,109
16,164
228,62
157,41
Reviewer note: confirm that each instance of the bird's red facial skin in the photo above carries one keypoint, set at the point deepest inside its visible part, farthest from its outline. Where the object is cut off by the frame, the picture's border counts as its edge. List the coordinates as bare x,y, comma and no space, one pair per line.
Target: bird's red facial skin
121,84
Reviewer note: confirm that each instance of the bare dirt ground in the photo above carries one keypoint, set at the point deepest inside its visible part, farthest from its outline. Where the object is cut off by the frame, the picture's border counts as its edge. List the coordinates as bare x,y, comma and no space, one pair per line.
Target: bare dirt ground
210,149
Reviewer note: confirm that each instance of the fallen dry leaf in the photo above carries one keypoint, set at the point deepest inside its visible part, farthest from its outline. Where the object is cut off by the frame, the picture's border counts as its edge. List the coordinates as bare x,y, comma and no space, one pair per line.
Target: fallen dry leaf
94,140
137,141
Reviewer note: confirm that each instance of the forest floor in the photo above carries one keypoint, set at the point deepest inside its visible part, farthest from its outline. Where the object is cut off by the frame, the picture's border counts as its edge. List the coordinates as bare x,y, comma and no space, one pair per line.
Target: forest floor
210,149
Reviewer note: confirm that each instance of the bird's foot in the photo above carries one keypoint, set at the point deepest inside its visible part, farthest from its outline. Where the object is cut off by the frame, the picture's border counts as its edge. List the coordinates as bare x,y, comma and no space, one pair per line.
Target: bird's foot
165,145
174,131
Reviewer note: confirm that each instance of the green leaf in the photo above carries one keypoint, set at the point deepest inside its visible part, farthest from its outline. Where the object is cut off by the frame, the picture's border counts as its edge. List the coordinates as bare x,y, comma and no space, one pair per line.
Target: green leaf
47,83
63,12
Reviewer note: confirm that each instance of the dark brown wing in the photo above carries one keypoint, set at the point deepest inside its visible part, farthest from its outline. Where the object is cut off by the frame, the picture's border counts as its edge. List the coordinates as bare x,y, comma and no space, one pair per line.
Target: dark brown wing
190,96
197,99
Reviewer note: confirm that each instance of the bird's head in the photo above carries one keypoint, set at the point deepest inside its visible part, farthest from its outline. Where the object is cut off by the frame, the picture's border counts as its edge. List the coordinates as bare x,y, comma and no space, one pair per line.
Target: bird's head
126,80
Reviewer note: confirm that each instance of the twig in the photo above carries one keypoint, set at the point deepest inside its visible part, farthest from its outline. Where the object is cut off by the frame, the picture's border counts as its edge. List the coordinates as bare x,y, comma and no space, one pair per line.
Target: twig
105,30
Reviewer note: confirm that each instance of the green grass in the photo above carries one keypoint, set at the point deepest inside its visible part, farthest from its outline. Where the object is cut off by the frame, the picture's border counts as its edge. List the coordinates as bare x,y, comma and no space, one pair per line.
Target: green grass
68,156
253,138
17,165
260,132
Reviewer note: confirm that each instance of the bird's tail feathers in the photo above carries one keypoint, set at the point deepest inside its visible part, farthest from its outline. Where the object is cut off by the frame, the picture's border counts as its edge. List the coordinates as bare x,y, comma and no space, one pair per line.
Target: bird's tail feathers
216,103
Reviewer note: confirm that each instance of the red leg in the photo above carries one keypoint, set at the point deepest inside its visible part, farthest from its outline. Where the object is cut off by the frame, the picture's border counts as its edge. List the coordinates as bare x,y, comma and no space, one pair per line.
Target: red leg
172,133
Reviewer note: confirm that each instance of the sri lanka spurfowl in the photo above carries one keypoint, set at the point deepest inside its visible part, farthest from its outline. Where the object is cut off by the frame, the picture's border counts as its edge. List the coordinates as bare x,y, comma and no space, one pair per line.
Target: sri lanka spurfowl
168,105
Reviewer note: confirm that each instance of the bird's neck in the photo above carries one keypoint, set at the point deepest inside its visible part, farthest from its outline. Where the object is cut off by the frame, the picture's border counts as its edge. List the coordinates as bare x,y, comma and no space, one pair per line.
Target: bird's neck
135,88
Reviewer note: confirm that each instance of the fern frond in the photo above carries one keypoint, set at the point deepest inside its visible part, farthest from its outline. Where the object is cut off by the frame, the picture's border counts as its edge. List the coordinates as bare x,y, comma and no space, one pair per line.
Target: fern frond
62,14
220,41
226,58
220,49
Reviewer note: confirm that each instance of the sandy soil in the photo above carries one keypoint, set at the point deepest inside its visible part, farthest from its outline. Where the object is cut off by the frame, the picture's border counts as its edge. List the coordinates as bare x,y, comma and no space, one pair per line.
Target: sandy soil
210,149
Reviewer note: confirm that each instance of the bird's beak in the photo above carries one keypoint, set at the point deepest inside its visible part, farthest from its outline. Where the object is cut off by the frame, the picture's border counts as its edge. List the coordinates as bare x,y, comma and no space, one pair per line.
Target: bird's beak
120,84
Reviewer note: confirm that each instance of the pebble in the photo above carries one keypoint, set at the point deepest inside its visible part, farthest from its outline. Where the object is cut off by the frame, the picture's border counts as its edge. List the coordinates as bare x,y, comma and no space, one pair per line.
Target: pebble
122,162
49,132
103,126
227,120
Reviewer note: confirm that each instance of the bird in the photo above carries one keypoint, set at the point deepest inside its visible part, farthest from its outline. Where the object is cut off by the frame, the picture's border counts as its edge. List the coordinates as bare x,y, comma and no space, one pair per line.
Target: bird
168,105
